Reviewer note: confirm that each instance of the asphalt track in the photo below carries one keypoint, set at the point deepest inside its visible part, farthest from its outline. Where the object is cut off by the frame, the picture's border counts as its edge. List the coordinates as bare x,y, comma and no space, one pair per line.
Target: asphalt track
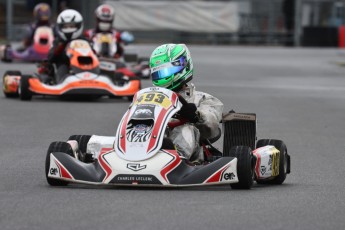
298,96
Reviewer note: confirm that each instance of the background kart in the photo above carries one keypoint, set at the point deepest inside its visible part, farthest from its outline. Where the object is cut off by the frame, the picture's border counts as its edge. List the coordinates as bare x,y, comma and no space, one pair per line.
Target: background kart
105,46
42,41
140,155
87,77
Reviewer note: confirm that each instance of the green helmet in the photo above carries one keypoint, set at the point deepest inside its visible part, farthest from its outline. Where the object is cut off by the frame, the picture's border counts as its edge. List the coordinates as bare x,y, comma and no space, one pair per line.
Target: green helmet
171,66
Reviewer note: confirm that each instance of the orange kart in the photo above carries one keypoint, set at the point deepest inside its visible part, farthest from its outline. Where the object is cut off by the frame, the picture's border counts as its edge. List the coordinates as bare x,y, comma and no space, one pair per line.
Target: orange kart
88,77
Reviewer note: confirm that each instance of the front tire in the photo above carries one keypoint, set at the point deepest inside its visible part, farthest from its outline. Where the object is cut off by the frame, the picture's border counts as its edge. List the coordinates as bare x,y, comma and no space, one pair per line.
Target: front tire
24,92
245,167
82,141
13,73
283,160
57,146
5,57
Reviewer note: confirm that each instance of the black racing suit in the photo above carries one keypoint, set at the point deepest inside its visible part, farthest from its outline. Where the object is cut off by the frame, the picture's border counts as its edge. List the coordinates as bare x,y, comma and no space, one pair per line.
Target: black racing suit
57,55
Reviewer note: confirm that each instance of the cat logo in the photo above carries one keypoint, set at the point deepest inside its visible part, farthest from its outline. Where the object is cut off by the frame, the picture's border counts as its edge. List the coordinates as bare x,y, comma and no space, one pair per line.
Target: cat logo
135,167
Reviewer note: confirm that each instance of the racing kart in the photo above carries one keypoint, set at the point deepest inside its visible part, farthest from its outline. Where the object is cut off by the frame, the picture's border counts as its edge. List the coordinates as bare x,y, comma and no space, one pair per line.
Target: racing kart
88,76
38,51
140,154
105,45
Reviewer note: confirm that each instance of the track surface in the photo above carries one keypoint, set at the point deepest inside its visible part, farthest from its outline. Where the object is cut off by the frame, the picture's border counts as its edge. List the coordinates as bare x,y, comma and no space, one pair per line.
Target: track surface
299,97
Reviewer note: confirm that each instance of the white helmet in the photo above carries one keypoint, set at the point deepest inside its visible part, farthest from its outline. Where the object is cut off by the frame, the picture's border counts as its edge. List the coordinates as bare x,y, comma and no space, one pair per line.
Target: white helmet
105,15
70,24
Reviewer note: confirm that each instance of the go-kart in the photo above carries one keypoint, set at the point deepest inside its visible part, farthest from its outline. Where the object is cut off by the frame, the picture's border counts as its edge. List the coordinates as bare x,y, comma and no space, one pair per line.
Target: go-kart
88,76
38,51
105,45
142,155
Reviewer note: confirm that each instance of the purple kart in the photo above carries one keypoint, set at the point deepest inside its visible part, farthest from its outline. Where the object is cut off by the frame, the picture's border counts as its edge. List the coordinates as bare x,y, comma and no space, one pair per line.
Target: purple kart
38,51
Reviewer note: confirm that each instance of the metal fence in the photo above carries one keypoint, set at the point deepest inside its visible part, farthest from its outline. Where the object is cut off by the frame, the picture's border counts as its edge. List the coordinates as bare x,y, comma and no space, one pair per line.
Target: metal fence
317,21
261,22
264,22
15,15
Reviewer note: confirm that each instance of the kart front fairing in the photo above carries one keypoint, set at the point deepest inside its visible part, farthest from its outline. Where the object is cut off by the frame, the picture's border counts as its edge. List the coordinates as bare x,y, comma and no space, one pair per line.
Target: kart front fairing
136,155
141,131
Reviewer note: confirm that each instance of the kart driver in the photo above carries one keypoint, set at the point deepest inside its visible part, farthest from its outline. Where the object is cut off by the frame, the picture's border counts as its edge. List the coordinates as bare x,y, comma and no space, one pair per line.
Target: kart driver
105,15
69,27
172,68
42,15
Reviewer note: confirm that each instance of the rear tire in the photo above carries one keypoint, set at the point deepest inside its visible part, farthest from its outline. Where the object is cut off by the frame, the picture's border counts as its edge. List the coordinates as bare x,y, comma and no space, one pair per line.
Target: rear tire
15,73
24,92
283,160
57,146
245,167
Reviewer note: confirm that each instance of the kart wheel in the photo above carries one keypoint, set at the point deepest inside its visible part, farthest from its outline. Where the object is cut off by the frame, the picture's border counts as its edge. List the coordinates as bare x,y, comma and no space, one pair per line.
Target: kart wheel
11,73
57,146
130,98
284,162
23,89
130,57
5,57
82,141
245,166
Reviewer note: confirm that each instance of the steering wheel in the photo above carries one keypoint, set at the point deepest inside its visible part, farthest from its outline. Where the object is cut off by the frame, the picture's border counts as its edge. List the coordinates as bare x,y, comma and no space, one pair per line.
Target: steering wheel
180,121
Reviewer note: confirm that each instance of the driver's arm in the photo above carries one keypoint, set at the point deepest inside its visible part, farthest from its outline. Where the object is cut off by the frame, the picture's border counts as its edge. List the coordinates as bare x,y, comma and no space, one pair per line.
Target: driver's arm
210,110
56,50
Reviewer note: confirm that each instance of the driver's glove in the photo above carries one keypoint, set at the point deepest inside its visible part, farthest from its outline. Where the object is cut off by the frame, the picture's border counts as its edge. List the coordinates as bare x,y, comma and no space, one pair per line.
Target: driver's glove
189,111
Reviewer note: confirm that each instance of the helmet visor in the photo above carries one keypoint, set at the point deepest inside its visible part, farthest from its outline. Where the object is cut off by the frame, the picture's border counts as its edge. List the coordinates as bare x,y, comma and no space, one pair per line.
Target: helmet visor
168,69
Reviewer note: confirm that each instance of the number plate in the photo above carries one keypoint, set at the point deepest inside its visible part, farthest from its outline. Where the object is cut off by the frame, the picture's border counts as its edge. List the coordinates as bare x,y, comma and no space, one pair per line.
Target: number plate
155,98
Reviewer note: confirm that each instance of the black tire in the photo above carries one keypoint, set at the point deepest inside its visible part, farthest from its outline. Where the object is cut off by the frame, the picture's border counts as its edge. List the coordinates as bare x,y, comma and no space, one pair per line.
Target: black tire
143,59
5,58
130,57
24,92
82,141
57,146
245,166
283,160
130,98
15,73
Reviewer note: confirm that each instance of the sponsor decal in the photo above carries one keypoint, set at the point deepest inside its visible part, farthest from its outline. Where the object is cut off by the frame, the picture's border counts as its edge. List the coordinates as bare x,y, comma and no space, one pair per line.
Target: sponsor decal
142,111
242,116
154,88
135,179
275,163
88,82
53,171
138,133
79,44
270,162
229,176
107,66
135,166
263,169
